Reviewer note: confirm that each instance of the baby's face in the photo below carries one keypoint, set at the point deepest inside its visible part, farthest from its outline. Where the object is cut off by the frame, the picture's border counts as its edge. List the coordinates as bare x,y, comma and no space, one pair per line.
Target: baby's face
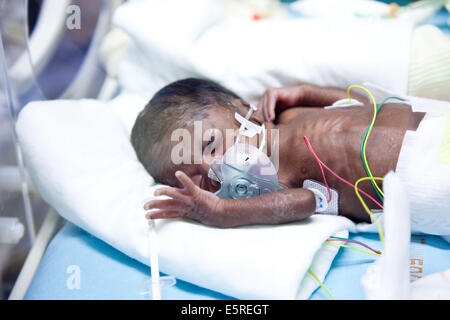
209,139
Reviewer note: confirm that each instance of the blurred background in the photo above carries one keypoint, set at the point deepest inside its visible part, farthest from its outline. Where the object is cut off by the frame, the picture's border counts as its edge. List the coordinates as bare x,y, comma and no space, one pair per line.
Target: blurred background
18,19
53,77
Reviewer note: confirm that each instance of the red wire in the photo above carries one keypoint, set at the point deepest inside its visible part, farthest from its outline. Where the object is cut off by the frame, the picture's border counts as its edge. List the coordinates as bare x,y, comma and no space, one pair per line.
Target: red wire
321,168
324,180
308,144
353,241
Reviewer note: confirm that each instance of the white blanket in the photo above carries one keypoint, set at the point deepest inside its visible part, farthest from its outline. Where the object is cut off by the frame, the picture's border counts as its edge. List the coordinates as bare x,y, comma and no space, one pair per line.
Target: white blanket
81,161
174,39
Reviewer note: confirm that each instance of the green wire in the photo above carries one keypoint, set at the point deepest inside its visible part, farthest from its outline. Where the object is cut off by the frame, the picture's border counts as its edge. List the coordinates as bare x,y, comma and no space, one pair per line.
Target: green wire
364,139
311,273
350,247
320,284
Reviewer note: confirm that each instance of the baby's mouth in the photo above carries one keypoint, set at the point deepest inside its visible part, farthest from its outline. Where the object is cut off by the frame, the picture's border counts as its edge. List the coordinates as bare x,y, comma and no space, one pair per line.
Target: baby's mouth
215,184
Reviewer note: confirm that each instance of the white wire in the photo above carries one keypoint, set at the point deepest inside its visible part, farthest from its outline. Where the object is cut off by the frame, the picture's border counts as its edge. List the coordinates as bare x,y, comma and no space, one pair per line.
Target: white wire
154,263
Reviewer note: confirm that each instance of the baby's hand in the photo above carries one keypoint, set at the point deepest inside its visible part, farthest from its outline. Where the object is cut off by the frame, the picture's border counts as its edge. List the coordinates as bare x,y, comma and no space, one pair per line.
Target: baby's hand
274,98
190,202
279,99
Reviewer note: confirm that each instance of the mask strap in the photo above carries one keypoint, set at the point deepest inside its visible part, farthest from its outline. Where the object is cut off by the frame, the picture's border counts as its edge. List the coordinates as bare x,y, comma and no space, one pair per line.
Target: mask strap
263,139
248,128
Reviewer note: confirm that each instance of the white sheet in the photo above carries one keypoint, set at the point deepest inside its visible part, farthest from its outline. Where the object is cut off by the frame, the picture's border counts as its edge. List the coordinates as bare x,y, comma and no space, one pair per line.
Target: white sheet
174,39
81,161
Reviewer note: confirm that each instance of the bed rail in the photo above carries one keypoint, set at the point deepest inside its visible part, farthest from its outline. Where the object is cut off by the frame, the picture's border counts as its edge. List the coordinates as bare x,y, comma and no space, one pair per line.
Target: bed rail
51,225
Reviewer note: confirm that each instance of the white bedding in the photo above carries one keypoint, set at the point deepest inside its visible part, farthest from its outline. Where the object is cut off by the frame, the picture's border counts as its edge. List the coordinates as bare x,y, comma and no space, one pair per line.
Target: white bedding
174,39
80,159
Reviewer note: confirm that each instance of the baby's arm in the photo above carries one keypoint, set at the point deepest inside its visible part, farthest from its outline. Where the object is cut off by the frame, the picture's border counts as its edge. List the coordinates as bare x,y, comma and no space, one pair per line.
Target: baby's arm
276,100
273,208
203,206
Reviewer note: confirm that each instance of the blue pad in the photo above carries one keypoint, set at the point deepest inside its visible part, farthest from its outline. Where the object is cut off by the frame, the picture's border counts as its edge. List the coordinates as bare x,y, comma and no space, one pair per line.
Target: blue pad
106,273
428,254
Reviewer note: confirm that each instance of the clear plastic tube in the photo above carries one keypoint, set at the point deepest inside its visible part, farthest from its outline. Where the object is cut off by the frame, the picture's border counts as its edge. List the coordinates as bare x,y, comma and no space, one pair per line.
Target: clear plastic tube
154,263
154,287
12,112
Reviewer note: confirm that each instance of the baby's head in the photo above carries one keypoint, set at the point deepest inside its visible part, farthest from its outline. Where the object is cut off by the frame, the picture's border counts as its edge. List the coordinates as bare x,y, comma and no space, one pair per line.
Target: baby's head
177,106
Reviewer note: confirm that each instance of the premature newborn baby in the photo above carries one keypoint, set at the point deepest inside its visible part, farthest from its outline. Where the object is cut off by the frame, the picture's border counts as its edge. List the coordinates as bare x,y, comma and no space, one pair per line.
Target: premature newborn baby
335,134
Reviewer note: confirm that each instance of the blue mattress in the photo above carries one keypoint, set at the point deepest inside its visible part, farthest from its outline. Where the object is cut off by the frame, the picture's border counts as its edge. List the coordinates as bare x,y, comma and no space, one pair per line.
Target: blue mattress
106,273
440,20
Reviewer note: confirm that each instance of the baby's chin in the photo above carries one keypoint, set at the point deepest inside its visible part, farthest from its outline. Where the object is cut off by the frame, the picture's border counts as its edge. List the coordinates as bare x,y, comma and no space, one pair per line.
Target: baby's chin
209,184
215,185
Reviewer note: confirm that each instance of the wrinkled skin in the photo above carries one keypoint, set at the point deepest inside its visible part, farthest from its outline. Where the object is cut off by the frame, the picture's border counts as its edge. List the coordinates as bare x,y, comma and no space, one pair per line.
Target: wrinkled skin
335,135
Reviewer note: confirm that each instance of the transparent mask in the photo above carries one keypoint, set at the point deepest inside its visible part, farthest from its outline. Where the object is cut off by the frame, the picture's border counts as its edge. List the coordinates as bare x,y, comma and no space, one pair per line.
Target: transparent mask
244,172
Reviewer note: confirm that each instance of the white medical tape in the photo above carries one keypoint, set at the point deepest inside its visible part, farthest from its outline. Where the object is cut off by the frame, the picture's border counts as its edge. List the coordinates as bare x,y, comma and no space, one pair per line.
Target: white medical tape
321,192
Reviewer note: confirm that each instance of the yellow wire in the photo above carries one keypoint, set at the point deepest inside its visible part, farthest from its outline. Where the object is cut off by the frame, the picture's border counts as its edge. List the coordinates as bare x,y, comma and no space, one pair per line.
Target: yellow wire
368,132
372,178
350,247
321,284
380,229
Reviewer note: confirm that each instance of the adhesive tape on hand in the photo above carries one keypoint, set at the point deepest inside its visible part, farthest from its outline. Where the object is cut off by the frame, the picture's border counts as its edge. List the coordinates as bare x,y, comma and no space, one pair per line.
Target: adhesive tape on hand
321,201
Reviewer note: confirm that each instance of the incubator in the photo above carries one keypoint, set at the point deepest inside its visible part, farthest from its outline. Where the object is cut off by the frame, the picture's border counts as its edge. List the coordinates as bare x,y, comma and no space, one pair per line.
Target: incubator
45,53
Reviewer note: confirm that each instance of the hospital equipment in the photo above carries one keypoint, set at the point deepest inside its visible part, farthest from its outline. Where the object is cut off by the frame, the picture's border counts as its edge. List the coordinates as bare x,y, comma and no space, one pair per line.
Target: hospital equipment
157,283
387,278
25,56
448,8
324,204
244,170
321,164
415,12
11,230
395,10
343,103
364,143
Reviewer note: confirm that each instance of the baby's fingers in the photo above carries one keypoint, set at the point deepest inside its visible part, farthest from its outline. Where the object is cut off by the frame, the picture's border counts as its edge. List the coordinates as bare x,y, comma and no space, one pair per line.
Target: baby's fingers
262,105
267,104
271,105
165,214
166,204
187,183
172,193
